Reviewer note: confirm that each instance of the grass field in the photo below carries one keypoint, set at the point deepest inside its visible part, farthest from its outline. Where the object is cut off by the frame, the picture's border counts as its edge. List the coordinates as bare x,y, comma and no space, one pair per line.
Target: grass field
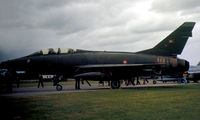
181,102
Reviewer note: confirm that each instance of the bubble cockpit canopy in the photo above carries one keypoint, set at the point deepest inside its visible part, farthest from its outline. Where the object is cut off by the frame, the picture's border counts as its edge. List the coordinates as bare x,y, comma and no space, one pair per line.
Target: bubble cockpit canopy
51,51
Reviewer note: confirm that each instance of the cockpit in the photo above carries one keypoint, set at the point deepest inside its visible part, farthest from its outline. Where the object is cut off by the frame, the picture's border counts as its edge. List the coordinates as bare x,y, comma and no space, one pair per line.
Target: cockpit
52,51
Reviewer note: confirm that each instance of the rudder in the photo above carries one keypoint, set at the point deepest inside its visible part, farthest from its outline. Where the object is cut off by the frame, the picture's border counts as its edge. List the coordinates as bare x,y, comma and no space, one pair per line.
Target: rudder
174,43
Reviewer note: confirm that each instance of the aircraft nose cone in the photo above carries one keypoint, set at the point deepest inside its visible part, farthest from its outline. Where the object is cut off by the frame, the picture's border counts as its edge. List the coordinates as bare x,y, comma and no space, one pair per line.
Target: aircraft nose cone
11,63
5,64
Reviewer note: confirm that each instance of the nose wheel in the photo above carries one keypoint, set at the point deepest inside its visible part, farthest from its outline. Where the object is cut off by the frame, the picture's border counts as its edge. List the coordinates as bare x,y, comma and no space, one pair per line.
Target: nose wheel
58,87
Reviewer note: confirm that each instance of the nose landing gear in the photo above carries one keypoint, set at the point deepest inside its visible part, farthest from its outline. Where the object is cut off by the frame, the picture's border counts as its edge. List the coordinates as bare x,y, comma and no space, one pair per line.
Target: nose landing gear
59,87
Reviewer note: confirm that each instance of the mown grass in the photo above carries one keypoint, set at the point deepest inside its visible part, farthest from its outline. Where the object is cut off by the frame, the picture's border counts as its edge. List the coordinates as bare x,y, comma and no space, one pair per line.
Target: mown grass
162,103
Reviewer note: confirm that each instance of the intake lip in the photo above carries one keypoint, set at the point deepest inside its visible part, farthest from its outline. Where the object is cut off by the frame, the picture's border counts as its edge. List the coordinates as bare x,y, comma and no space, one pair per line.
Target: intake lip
12,64
4,64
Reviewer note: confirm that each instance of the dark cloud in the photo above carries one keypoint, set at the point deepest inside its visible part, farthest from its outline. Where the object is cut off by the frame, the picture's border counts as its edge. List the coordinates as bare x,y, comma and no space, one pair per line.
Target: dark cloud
174,5
3,56
30,25
50,4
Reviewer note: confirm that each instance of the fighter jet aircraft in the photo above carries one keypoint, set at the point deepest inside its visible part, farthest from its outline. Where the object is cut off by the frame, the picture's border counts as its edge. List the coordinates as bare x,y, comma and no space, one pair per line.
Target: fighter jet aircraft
108,65
194,73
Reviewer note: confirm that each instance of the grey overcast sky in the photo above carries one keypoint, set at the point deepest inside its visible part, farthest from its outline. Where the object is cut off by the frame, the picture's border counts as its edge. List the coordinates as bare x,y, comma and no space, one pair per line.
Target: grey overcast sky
27,26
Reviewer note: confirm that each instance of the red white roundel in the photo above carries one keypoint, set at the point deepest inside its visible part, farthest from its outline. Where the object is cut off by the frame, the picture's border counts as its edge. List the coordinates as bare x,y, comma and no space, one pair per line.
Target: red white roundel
171,41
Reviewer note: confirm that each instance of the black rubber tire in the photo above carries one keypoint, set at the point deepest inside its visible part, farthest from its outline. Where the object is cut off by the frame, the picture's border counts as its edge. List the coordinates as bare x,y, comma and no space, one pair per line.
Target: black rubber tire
115,84
154,82
58,87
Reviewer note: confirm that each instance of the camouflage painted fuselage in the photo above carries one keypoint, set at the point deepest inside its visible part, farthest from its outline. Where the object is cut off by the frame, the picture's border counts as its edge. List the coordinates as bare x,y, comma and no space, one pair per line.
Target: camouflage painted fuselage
68,64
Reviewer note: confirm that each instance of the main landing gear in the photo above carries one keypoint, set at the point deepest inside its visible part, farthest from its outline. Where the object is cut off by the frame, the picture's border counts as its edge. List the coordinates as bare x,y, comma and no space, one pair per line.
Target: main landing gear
154,81
115,84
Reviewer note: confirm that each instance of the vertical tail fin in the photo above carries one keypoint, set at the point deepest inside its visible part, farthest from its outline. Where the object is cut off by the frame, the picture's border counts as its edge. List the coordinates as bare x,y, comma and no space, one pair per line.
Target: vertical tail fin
174,43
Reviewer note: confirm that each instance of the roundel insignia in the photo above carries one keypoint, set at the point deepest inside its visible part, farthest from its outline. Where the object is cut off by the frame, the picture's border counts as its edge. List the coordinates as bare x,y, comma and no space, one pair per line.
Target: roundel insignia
125,61
171,41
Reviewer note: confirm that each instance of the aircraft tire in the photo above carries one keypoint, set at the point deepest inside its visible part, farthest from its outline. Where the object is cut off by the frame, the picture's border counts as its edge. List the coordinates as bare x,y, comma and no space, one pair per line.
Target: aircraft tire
58,87
154,82
115,84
